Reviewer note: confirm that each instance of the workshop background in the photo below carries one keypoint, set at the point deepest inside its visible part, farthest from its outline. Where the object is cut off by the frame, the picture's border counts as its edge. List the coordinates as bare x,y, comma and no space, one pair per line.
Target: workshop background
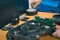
46,8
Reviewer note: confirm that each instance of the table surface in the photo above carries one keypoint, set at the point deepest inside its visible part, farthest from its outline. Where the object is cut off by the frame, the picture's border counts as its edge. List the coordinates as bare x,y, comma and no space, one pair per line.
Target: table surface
41,14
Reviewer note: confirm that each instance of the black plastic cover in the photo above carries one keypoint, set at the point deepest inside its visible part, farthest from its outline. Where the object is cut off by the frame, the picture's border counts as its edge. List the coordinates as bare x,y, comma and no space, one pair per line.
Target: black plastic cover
9,9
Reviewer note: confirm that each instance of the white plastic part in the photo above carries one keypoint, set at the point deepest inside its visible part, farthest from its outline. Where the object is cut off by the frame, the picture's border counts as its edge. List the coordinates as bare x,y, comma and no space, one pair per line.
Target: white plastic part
22,16
30,1
31,10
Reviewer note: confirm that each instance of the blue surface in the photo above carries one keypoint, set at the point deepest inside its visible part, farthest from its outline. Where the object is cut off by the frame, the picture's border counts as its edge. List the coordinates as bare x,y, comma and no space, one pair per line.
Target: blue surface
51,0
51,3
48,6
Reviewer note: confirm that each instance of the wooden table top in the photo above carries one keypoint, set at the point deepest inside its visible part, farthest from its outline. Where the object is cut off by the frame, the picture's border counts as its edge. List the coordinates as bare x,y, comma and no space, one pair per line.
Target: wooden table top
41,14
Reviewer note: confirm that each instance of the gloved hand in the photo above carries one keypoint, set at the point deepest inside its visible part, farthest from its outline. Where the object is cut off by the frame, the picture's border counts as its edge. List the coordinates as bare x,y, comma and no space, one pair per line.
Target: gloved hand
56,33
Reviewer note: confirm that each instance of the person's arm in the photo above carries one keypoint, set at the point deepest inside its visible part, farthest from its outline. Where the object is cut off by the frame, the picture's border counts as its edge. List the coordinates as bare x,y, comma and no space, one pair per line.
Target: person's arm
35,2
56,33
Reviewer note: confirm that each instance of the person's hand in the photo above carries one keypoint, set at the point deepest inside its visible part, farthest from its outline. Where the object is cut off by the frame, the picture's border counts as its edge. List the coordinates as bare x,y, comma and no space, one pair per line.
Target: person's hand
57,33
36,3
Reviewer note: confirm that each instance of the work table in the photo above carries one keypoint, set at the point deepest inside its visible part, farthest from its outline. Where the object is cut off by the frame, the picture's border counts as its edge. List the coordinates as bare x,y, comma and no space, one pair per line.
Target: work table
41,14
